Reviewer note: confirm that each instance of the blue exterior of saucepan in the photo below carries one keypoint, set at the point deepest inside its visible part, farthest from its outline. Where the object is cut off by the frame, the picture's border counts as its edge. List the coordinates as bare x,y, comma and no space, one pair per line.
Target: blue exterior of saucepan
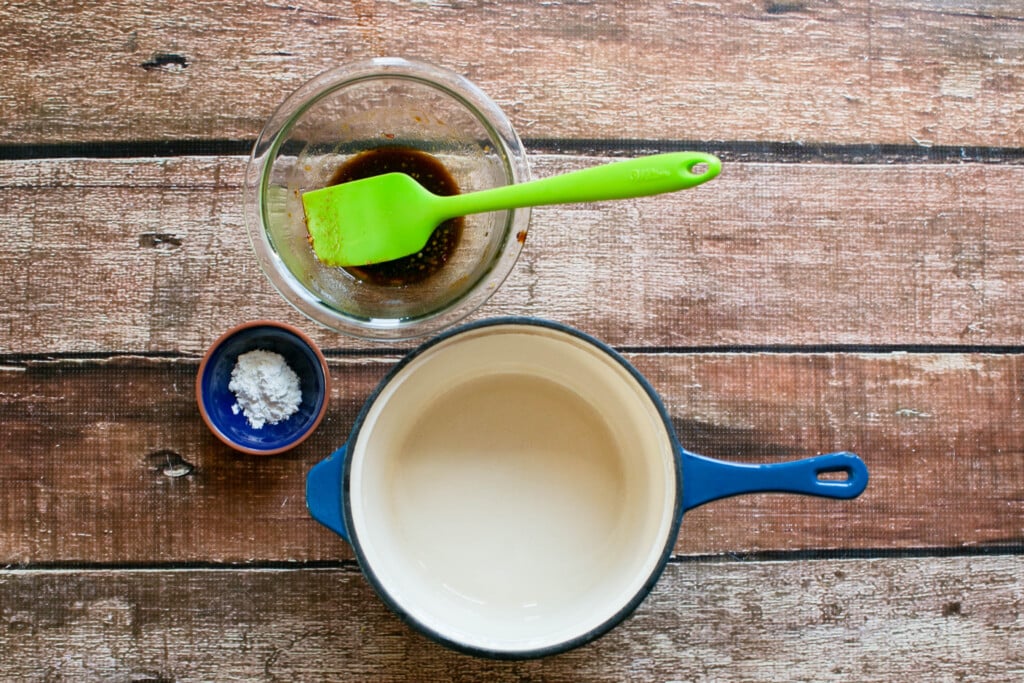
700,480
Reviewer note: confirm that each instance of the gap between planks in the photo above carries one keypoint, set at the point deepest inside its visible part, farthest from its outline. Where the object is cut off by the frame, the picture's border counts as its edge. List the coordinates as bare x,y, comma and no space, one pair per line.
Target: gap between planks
730,151
808,555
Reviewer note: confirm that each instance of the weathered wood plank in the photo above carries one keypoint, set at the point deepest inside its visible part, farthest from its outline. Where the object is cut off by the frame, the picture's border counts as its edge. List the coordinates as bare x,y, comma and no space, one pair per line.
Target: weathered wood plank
151,255
952,619
108,461
916,73
111,460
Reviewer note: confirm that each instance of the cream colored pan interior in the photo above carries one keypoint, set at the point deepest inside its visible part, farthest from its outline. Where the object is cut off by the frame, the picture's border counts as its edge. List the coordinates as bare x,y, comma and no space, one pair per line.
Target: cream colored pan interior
513,488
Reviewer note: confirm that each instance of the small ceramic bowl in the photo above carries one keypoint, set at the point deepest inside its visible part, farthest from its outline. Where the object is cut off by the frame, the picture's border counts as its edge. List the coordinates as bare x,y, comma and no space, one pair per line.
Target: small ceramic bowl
360,109
217,403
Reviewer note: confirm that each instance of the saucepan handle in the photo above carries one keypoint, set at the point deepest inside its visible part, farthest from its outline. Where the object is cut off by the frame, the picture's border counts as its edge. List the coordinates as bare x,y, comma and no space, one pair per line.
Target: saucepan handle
324,492
706,479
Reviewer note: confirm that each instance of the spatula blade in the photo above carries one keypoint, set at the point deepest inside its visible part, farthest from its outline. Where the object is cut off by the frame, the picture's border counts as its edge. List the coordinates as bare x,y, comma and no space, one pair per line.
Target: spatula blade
368,221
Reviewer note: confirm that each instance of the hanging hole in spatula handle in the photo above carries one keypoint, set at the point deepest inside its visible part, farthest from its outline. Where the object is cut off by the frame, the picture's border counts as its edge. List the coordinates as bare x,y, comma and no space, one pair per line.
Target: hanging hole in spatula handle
698,168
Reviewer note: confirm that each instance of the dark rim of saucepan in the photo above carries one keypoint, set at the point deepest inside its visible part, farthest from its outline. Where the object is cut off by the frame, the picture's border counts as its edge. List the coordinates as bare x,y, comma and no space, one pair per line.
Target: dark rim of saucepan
582,638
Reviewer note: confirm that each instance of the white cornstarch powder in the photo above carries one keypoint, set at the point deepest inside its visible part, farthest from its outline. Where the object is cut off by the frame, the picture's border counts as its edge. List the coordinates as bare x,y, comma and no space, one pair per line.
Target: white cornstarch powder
266,389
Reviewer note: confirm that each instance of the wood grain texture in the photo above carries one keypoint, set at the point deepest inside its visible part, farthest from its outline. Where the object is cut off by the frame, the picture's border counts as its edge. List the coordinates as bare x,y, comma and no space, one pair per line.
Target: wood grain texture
111,463
815,297
907,73
152,256
953,619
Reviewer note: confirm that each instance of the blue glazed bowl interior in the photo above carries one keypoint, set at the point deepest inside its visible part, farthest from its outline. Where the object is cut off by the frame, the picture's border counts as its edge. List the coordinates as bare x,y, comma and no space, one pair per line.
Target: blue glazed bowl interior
218,399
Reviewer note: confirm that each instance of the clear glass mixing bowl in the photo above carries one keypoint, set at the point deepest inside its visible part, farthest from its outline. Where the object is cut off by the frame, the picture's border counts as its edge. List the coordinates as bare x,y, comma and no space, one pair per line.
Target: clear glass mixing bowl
386,102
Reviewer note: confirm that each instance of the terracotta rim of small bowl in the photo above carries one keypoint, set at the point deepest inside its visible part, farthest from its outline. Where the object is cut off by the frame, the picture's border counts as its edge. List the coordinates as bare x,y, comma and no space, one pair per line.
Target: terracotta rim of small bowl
235,330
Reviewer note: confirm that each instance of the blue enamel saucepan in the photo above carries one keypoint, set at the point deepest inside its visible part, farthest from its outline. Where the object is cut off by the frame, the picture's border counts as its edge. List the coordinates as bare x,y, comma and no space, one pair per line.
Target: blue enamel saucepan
514,487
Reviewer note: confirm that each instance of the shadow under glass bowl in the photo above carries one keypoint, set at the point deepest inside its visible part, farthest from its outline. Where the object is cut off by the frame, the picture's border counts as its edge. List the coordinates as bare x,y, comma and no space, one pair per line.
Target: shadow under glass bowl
385,102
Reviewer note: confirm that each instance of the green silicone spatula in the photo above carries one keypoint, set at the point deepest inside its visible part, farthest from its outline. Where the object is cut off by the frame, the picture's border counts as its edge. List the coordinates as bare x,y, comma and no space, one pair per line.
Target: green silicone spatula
389,216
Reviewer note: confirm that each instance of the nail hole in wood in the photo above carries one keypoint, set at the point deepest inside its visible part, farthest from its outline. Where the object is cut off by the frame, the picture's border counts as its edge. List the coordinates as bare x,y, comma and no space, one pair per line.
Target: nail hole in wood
170,464
159,240
165,62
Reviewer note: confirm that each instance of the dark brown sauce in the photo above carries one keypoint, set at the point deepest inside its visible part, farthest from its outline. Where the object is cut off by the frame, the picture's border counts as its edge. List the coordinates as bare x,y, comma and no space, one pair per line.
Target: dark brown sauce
431,174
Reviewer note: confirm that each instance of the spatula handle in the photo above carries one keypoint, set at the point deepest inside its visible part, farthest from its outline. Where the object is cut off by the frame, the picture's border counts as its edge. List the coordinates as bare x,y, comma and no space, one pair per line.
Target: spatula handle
638,177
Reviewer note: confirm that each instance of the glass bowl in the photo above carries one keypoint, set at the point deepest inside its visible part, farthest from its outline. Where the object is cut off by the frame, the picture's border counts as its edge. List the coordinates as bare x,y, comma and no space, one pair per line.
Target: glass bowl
354,110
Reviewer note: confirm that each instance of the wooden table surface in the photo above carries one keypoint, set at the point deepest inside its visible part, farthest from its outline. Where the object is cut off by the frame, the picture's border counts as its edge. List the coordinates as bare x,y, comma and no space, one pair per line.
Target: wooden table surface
854,280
